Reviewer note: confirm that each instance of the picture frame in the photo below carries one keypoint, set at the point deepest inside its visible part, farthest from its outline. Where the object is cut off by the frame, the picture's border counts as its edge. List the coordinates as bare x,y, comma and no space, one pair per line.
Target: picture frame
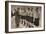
25,16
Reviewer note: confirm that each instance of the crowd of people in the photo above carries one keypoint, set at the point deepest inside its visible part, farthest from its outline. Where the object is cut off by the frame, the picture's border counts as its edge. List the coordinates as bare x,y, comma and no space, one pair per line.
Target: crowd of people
30,14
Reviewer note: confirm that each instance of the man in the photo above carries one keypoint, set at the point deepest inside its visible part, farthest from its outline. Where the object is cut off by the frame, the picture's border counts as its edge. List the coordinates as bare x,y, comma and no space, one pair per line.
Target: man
36,16
17,17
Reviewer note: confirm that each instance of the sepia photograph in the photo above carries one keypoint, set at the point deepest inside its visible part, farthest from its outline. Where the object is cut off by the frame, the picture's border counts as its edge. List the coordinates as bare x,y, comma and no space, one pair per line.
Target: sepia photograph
24,16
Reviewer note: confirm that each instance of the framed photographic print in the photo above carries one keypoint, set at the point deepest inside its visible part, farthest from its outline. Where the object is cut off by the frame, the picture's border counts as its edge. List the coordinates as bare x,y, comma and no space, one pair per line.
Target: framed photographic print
24,16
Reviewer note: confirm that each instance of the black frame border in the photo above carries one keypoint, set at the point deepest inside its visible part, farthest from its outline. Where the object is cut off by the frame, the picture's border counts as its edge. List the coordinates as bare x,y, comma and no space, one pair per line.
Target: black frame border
6,16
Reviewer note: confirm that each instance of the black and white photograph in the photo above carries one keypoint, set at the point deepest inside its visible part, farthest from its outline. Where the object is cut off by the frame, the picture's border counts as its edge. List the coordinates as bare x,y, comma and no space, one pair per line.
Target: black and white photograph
24,16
